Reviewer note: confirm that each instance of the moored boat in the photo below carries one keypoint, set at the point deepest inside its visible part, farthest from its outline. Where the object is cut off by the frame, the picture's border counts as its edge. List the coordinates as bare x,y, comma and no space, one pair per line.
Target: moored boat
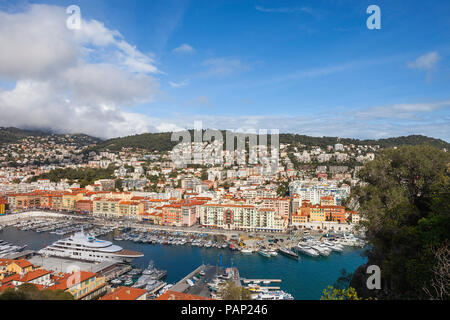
288,253
264,253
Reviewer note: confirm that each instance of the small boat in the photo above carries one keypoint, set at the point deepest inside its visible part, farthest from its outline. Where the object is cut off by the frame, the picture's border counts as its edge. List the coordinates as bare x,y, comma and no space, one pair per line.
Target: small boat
307,250
322,251
273,295
246,251
273,253
128,282
264,253
116,281
189,282
288,253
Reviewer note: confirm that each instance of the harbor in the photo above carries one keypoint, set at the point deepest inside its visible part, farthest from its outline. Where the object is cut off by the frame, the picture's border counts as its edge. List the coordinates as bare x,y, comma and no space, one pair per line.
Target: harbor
304,278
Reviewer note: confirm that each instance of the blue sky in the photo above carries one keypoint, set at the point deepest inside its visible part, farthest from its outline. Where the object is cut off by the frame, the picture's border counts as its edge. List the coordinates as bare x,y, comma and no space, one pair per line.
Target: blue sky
309,67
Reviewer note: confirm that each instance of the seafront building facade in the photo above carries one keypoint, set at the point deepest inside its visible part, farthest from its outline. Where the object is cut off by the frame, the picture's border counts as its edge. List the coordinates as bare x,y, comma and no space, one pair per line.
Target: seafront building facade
229,212
244,217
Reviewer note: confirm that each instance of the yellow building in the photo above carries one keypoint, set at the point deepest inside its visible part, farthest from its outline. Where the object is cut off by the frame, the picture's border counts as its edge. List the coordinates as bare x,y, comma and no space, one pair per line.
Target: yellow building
21,266
69,200
106,207
131,209
317,214
2,207
82,285
57,202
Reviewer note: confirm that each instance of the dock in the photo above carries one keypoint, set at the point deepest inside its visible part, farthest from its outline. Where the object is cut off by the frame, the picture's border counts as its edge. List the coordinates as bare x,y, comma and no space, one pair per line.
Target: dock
260,280
259,288
157,288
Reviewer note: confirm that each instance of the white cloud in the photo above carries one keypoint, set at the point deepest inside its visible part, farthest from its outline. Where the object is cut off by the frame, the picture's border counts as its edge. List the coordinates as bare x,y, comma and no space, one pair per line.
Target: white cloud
179,84
402,110
425,62
71,80
184,48
35,43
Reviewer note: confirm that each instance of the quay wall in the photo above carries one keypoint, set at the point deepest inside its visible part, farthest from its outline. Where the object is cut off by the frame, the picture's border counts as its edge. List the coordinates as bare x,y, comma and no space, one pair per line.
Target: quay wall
26,215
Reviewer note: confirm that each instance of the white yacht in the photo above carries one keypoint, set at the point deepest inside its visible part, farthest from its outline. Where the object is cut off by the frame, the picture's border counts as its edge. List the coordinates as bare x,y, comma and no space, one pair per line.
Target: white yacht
273,295
305,249
81,246
334,246
321,250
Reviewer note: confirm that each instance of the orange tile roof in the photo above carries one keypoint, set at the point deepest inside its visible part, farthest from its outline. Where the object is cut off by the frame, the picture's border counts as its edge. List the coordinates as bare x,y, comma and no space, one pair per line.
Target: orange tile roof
124,293
22,263
174,295
63,283
29,276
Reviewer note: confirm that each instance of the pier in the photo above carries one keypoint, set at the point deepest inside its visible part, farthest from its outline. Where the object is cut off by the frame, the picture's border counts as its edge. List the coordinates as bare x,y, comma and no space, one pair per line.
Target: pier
260,280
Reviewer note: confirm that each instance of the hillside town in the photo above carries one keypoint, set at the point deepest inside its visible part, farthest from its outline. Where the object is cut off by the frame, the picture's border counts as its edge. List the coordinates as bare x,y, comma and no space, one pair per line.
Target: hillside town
67,176
151,187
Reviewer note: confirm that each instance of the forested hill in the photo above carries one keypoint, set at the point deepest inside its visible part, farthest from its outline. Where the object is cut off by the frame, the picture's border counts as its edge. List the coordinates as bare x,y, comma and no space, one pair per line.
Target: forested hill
162,141
384,143
14,135
11,135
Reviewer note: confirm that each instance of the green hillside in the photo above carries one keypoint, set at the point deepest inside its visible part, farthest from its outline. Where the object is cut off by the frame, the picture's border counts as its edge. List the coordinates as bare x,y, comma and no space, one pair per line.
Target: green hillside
13,135
162,141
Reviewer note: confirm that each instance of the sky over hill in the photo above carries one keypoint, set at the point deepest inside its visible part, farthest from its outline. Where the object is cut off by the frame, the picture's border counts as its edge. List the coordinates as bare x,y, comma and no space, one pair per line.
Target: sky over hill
308,67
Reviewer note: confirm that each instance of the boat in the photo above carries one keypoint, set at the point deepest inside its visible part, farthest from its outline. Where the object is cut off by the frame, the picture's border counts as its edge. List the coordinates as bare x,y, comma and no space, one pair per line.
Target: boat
246,251
288,253
116,281
128,282
307,250
322,251
334,246
264,253
153,285
273,252
154,273
189,282
81,246
142,281
273,295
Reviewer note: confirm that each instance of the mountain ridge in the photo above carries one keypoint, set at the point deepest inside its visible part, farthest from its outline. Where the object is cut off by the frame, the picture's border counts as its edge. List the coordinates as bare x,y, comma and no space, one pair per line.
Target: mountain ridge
162,141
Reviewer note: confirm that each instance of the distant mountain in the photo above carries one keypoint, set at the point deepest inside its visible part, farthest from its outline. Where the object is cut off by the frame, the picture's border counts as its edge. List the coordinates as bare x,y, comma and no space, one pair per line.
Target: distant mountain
384,143
162,141
13,135
148,141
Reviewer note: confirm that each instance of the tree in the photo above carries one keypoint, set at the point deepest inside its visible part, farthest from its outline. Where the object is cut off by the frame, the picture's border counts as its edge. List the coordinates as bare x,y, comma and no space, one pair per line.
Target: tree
231,291
405,210
28,291
118,184
439,286
283,189
332,293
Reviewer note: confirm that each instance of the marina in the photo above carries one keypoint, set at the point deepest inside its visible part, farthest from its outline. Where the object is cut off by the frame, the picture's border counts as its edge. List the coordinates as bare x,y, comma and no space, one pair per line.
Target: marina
303,279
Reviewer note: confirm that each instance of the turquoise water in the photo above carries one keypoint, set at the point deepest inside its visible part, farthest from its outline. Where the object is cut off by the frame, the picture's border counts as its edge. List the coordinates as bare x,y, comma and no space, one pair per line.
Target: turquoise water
304,279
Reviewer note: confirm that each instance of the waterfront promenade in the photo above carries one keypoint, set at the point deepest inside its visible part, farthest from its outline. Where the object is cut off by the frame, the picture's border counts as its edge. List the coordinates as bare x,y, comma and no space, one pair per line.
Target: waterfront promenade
121,223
